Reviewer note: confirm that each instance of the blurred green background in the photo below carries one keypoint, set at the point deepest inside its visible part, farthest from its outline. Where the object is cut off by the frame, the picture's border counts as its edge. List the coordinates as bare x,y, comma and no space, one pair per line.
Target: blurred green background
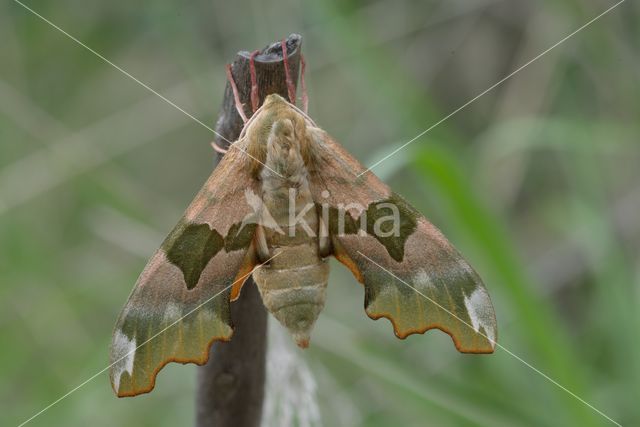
537,183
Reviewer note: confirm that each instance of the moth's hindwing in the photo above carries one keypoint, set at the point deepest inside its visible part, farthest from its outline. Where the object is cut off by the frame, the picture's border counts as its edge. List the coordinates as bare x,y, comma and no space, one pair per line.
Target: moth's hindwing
180,303
414,277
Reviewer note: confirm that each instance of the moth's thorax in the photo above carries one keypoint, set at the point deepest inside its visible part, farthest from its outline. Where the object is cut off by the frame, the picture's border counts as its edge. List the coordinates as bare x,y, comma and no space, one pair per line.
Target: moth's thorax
278,140
285,185
284,166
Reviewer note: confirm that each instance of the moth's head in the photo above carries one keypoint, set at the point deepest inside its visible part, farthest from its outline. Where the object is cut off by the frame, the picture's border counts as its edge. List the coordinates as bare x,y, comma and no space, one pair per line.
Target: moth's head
274,100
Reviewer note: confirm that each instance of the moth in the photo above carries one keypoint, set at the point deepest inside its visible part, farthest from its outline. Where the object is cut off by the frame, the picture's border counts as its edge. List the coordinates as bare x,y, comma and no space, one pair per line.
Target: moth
283,200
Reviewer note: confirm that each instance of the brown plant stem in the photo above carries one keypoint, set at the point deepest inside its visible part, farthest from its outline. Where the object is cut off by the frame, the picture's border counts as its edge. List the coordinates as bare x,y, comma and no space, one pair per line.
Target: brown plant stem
230,389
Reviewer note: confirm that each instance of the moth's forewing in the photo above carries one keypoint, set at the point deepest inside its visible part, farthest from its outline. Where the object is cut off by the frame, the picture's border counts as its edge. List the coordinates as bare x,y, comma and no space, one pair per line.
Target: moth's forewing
414,277
180,303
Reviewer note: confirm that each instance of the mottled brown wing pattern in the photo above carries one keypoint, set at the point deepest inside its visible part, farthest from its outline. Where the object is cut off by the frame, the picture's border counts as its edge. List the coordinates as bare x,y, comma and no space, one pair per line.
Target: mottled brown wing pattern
180,303
334,175
416,278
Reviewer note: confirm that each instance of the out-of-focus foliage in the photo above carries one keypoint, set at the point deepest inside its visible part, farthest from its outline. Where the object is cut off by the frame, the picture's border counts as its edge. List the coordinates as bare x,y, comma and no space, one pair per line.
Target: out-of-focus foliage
537,183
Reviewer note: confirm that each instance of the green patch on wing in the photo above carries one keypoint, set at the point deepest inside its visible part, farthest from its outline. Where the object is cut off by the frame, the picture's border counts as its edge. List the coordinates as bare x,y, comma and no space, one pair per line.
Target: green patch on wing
190,247
445,296
391,221
147,339
239,236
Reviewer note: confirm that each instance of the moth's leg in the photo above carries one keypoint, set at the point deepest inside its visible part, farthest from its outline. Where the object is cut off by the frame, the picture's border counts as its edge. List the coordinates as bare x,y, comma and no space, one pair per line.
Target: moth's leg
236,96
303,86
217,148
291,89
324,241
262,249
254,81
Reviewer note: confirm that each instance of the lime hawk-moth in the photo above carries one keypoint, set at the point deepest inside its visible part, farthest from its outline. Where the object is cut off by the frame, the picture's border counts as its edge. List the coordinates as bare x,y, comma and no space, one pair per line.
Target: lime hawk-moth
283,199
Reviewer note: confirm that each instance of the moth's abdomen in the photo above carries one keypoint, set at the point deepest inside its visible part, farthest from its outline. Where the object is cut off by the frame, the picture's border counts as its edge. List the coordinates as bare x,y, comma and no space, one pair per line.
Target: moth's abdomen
293,288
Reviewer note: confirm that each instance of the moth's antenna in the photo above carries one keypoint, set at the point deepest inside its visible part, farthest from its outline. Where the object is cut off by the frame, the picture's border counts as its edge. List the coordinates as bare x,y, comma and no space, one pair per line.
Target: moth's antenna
236,95
291,89
303,86
254,81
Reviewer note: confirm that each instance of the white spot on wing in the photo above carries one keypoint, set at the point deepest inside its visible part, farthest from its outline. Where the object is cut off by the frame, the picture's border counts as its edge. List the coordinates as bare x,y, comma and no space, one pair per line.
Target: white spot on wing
124,350
481,313
422,280
172,312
